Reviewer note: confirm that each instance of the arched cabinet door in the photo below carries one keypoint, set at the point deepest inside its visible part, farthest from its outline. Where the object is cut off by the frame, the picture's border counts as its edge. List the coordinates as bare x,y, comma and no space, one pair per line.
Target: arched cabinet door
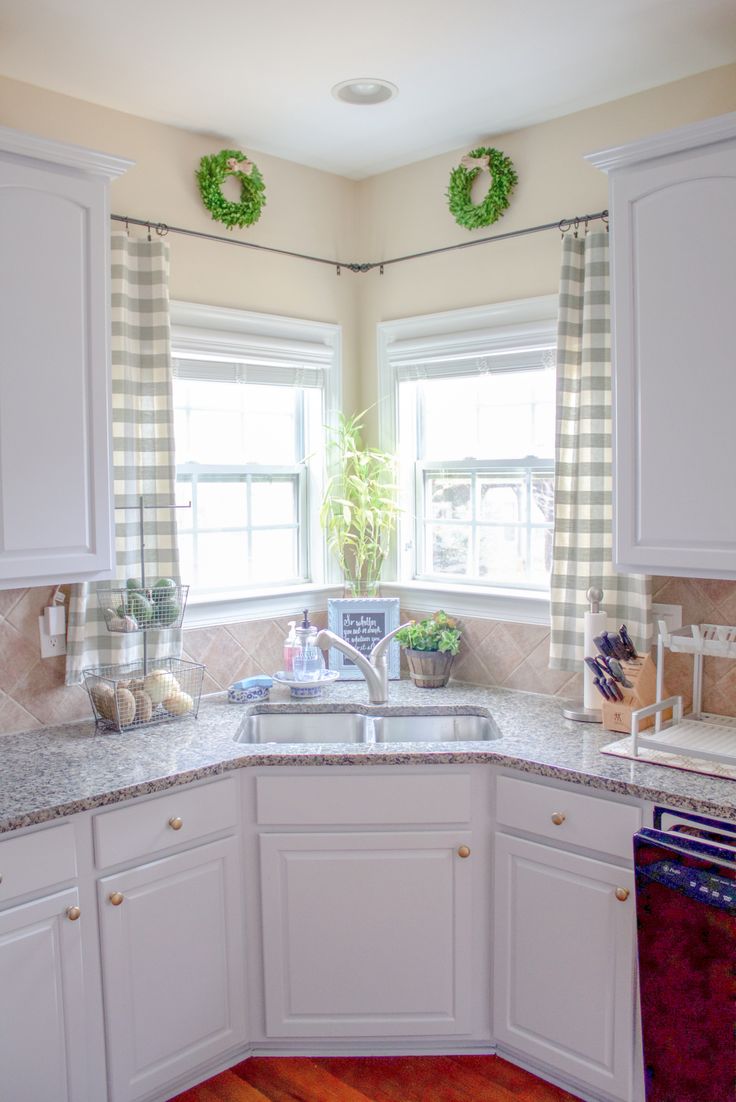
672,203
55,469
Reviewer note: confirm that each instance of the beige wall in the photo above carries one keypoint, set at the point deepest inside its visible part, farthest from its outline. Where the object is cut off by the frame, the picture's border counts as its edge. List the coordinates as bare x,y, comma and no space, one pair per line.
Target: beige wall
405,211
397,212
306,211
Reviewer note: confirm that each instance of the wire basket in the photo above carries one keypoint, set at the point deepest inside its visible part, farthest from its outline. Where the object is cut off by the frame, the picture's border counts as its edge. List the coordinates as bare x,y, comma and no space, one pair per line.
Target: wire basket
124,698
151,608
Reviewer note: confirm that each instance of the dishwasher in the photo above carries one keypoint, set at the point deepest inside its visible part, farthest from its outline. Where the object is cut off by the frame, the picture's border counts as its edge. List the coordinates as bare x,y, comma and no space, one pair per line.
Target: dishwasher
686,925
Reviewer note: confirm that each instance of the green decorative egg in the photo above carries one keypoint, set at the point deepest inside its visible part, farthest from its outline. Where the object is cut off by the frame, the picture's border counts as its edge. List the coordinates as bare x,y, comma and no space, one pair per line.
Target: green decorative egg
140,607
166,612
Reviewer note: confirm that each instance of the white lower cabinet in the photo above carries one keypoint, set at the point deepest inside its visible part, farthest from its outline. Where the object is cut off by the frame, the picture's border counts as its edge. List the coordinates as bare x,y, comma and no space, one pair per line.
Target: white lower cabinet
564,962
172,962
367,934
42,1027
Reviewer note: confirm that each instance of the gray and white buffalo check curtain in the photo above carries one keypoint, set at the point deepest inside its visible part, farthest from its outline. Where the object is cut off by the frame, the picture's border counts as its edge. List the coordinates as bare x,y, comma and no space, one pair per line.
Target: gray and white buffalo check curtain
143,453
582,546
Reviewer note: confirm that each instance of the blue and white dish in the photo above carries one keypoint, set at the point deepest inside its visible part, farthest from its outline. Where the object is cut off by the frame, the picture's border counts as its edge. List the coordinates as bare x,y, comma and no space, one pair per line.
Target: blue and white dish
306,690
250,690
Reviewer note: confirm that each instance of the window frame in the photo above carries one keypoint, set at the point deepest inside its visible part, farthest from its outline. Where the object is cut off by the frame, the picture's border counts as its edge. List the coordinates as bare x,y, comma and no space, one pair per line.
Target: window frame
225,332
454,334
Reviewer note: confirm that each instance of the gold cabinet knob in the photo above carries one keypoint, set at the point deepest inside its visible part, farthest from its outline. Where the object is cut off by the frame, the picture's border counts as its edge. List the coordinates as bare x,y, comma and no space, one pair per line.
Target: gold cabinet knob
176,823
463,851
622,894
116,898
558,817
73,913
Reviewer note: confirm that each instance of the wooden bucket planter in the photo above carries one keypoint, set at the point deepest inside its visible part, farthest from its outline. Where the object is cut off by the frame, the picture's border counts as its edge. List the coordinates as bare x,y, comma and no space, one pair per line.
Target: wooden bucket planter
429,669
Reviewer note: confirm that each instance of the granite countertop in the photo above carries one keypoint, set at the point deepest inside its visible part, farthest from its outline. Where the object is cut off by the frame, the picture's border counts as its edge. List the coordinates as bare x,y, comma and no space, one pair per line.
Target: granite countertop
57,771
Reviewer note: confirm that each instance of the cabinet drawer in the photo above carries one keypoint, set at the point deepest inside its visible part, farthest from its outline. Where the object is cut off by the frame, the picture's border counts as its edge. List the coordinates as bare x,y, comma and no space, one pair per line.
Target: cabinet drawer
365,800
568,817
36,861
181,816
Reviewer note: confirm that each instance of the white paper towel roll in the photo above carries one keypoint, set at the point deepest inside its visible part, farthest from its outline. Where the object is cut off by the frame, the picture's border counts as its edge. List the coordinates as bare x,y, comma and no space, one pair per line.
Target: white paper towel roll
593,624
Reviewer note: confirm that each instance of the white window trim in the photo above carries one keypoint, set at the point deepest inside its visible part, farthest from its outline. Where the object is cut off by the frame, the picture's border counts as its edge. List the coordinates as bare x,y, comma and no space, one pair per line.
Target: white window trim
232,332
467,330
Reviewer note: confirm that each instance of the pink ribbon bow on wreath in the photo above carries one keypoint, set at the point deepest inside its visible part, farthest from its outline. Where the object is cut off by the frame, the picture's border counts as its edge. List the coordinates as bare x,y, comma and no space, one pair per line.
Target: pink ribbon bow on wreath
483,163
246,166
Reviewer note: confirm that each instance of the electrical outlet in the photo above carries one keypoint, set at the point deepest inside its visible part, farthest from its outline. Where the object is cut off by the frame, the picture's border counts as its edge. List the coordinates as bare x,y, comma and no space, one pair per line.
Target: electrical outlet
671,614
51,645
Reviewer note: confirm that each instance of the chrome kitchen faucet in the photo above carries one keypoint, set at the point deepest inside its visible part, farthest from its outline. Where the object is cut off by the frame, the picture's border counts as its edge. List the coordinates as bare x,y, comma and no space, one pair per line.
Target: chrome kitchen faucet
373,668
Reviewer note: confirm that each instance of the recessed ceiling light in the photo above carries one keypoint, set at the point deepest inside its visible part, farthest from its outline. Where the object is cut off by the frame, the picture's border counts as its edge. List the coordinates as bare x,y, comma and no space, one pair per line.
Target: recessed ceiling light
365,90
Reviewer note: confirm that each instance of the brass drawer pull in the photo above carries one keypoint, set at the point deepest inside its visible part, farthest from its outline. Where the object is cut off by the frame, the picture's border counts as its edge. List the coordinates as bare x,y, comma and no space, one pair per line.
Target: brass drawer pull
558,818
73,913
463,851
622,894
116,898
176,823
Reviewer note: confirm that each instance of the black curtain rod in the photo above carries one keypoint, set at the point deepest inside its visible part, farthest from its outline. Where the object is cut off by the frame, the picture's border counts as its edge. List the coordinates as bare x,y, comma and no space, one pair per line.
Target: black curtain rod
564,224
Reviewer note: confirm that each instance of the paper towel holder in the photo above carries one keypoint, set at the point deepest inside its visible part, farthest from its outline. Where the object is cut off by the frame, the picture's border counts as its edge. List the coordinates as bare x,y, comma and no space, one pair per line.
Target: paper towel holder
572,710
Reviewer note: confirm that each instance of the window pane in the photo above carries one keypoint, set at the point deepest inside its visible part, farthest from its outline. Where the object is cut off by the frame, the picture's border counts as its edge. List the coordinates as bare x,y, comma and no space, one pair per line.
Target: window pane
215,437
502,554
449,498
269,439
502,499
274,555
449,418
223,560
541,563
449,549
184,497
543,499
186,558
273,501
222,504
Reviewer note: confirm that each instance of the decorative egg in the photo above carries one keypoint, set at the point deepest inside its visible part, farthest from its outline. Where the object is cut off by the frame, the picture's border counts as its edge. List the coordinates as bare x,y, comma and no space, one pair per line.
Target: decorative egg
143,706
179,703
125,707
159,684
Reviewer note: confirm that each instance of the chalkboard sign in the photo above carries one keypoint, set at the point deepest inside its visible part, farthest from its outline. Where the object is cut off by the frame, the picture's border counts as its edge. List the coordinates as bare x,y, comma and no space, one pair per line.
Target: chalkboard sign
362,621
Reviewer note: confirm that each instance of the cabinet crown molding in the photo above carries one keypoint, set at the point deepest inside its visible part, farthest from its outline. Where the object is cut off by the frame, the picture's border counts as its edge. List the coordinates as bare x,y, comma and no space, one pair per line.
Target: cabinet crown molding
62,153
689,137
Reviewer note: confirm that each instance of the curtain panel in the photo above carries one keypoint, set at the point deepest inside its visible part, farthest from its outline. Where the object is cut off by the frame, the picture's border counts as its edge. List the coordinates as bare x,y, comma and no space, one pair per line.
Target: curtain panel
582,545
143,455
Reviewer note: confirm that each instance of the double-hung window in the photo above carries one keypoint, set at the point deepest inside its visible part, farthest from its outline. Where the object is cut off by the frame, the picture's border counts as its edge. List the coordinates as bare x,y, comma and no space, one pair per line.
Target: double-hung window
252,394
471,396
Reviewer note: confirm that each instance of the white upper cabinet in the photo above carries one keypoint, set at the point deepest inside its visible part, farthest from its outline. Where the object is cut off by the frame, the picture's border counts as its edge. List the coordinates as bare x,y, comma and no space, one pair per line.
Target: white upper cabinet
673,273
55,469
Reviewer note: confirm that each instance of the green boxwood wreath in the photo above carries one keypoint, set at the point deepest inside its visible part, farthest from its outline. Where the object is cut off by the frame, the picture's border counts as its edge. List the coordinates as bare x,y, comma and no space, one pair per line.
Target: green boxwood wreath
503,180
210,175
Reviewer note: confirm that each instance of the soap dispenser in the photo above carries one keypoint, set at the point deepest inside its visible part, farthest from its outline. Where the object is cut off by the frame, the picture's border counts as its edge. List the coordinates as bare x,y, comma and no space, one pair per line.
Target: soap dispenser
290,645
308,660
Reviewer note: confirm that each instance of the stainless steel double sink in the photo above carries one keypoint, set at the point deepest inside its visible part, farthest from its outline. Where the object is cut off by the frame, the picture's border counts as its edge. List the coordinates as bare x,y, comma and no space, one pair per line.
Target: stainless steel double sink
356,728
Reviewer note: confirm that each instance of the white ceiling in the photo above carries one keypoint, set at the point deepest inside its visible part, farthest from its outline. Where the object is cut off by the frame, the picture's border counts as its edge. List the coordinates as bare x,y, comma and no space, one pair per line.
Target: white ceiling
260,73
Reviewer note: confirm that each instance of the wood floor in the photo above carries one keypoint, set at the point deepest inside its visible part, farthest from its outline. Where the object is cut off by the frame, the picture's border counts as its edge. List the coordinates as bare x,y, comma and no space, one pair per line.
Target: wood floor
375,1079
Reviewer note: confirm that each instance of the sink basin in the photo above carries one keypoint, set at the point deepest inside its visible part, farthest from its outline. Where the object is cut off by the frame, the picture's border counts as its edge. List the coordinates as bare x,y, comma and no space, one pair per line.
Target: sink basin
303,727
351,727
434,728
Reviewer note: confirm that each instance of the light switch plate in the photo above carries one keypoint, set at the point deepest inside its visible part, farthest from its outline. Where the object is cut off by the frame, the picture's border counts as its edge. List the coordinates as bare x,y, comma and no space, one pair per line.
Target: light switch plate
51,645
671,614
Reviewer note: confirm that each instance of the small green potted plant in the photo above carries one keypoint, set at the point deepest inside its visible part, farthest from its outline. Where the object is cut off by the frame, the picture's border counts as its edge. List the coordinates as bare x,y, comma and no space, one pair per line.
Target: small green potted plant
430,647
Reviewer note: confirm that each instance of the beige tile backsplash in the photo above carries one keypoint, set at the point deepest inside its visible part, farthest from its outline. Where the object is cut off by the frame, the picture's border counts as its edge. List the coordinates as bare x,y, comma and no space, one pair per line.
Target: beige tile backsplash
33,694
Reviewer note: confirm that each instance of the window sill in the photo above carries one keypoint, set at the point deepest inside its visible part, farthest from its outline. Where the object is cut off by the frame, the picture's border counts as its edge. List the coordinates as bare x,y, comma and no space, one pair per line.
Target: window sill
478,602
288,601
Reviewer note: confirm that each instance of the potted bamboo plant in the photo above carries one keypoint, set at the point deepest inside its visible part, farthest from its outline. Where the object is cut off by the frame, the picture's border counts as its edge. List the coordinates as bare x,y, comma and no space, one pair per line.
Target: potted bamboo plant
360,507
430,647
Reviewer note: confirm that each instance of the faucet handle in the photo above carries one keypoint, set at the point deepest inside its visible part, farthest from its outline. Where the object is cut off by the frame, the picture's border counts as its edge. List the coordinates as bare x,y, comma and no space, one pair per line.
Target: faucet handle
380,648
